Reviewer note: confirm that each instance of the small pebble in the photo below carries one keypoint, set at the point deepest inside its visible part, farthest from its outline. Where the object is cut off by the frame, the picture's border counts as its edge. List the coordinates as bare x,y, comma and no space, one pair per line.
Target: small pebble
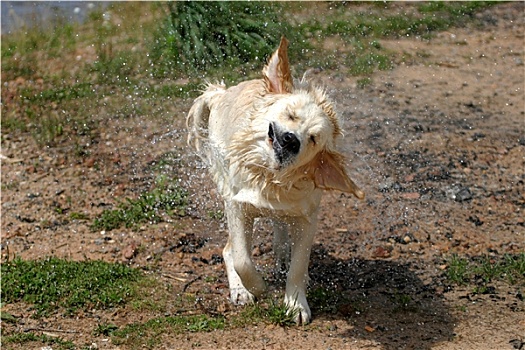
411,195
381,252
463,195
369,329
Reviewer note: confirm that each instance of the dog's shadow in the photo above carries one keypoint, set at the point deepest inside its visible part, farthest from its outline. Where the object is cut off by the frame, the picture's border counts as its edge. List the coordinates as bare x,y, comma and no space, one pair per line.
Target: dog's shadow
381,301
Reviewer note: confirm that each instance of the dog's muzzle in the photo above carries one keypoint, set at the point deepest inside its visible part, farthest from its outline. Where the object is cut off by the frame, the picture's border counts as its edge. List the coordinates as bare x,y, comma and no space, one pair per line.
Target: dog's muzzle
285,144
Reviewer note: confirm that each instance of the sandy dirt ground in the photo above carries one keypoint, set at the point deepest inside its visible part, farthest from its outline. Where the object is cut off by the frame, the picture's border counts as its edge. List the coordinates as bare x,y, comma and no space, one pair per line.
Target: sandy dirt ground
437,144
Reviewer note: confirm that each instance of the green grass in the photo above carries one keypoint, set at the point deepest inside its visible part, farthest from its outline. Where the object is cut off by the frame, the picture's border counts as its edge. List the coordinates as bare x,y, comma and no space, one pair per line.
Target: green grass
278,314
54,283
215,214
485,269
59,94
360,31
403,302
150,207
457,270
78,216
149,334
190,89
364,82
420,20
105,329
52,40
266,311
24,338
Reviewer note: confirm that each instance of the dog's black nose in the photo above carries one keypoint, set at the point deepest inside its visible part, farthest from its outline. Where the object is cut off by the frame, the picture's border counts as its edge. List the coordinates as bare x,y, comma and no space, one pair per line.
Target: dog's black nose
291,142
285,144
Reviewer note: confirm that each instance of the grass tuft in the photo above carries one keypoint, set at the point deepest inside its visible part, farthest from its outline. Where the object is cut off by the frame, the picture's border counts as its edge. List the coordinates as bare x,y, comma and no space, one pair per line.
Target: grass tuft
53,283
268,311
23,338
148,335
149,207
105,329
457,270
278,314
463,271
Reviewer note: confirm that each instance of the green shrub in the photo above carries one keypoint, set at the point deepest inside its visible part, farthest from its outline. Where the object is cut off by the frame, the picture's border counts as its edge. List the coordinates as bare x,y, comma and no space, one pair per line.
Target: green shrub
198,35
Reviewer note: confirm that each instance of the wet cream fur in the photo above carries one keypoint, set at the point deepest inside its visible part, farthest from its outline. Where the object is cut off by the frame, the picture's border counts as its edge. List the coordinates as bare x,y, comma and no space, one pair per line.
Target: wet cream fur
229,127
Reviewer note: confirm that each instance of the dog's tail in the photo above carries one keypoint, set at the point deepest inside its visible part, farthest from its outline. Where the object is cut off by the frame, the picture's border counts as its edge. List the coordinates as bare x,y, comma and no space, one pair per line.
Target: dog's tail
199,114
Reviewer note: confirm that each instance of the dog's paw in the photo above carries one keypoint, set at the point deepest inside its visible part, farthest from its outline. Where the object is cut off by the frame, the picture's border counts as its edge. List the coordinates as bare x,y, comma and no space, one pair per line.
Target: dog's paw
298,307
301,316
241,296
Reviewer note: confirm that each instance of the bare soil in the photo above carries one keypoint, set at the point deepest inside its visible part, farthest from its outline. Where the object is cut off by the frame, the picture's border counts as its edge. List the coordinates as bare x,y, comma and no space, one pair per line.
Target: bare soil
437,144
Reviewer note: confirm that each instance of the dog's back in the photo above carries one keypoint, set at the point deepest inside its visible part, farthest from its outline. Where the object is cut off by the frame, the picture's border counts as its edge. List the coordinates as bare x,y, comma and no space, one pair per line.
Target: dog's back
199,114
213,120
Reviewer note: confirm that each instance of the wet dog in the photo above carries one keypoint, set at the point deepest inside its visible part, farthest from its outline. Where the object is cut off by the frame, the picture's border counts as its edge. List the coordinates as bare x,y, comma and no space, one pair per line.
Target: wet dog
271,148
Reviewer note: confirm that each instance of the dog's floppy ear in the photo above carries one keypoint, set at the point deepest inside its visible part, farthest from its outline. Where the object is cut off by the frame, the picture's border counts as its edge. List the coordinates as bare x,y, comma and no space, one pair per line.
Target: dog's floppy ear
277,73
330,174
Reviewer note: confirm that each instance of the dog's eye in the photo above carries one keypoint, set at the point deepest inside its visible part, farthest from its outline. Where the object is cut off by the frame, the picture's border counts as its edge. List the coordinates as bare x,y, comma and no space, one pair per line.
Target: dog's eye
312,138
291,117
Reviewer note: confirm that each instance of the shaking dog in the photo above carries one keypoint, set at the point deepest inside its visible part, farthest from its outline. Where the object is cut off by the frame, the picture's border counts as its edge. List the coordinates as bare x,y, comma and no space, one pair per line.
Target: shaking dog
271,150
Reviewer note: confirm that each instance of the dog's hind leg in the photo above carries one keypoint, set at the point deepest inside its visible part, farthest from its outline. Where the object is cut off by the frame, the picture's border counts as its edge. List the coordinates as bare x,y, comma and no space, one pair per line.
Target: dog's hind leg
281,245
245,282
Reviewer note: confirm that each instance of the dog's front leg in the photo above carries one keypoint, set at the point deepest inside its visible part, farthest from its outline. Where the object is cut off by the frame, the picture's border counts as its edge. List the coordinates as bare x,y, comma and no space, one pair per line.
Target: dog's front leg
245,282
302,233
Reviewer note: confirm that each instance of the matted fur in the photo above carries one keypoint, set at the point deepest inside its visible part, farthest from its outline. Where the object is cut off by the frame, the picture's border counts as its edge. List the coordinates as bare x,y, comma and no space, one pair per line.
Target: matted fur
271,148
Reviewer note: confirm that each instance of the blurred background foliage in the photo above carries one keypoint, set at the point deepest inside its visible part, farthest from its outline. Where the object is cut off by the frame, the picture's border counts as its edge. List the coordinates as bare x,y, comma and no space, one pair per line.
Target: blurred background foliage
161,50
213,38
198,35
205,35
